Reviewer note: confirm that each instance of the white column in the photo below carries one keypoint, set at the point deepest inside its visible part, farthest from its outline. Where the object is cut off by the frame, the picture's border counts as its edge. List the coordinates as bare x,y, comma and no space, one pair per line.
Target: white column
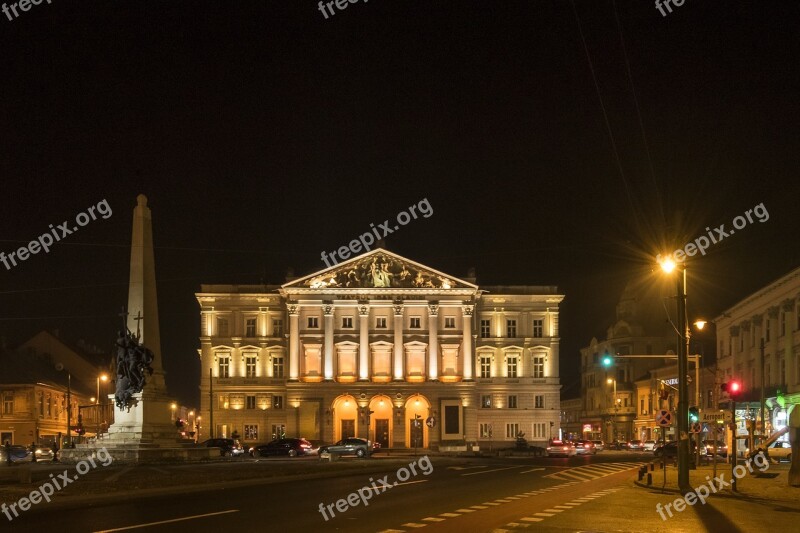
294,343
467,340
551,368
328,369
363,346
433,342
398,343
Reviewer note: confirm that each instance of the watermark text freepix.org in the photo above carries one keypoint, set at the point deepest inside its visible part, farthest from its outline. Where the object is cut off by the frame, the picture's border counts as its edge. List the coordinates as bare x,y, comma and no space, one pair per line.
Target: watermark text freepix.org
718,483
47,489
702,243
367,239
46,240
24,5
365,493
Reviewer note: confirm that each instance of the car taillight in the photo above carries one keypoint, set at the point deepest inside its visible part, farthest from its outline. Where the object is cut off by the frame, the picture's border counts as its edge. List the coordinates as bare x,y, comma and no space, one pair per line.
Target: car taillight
566,447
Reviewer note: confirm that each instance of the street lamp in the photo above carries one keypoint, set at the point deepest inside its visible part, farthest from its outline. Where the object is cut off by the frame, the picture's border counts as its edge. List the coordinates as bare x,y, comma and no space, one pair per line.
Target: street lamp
614,425
173,406
668,265
103,378
197,428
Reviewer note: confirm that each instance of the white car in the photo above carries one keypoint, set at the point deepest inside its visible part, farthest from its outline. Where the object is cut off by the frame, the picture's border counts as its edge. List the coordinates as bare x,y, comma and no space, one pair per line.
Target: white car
777,451
649,445
561,448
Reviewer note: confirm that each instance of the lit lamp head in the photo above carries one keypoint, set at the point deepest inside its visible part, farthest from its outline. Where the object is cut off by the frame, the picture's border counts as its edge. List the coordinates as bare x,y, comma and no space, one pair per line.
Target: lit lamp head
700,324
103,378
667,265
609,381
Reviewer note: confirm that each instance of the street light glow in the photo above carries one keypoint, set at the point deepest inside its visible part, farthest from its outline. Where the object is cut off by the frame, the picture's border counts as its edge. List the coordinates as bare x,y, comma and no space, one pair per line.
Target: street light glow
700,324
667,265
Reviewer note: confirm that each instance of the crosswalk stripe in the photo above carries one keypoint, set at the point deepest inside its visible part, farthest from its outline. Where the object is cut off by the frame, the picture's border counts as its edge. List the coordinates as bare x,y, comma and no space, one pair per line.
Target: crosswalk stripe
414,525
449,515
544,514
434,519
479,507
465,510
554,510
531,519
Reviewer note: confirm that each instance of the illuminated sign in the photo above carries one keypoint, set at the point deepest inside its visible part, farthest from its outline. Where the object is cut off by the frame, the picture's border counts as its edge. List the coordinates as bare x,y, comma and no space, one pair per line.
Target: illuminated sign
587,428
672,381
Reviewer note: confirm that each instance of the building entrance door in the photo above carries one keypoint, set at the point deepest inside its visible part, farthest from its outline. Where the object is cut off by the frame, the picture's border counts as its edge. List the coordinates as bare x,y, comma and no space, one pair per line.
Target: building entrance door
382,432
348,429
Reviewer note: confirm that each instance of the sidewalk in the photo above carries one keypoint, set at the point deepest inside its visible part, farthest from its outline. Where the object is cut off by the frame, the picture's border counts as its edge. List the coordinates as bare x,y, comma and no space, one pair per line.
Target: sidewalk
770,486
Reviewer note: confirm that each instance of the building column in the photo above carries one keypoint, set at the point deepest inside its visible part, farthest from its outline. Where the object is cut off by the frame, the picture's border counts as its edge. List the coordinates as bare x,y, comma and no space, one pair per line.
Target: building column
327,309
294,343
433,342
363,346
397,363
467,340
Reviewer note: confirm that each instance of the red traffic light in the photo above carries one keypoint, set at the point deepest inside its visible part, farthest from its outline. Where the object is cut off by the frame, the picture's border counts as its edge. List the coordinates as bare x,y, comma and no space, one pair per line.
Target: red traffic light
732,387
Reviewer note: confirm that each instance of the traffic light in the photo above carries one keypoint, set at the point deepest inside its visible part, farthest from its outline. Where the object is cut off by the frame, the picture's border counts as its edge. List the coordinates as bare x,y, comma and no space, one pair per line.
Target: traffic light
694,415
733,388
607,360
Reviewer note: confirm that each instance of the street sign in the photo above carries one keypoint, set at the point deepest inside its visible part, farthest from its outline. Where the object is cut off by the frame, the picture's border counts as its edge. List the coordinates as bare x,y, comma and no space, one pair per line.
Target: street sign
664,418
696,427
430,422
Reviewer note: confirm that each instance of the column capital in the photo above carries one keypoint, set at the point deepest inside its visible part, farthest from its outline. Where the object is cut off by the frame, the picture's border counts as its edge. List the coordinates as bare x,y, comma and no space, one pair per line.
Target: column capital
363,309
433,308
468,309
773,311
398,309
292,307
757,319
327,308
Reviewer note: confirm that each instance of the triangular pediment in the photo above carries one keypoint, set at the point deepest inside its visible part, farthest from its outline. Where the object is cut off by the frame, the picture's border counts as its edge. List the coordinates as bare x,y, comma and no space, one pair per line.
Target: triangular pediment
379,269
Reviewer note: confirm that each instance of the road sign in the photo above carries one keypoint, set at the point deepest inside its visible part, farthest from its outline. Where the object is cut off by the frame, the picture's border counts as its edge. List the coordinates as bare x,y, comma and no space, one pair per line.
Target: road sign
664,418
430,422
696,427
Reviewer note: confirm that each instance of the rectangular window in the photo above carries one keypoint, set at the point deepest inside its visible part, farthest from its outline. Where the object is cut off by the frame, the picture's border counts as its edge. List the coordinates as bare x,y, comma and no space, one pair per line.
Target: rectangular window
538,328
511,328
347,322
486,366
277,366
222,327
250,402
538,401
250,366
511,366
313,322
710,398
449,322
250,432
224,401
512,402
485,430
277,328
278,431
224,366
380,322
486,401
41,405
451,420
277,402
538,366
8,403
250,327
50,406
414,322
641,402
766,329
512,430
649,404
486,328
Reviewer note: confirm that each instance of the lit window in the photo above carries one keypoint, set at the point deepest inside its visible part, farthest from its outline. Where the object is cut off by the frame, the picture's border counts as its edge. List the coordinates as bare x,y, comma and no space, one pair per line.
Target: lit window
250,432
277,402
486,401
485,430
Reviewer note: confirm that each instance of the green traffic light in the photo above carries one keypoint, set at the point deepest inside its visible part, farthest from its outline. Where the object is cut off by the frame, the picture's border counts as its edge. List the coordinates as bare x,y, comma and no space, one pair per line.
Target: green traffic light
607,360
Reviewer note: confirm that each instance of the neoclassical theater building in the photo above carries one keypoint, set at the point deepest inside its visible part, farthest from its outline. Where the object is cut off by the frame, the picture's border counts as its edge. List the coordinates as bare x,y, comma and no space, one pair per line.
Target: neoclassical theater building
384,348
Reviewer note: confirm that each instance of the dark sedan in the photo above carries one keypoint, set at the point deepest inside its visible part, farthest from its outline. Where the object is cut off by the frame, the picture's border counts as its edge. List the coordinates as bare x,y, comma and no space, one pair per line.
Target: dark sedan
290,447
227,447
19,454
350,446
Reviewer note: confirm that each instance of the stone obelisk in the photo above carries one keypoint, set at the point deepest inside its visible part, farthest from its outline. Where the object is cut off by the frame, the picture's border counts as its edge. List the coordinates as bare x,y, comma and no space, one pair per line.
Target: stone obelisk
148,422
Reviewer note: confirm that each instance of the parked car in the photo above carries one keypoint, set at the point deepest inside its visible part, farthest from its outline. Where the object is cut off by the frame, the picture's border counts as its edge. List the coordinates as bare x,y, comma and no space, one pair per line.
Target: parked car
348,446
227,447
649,445
290,447
776,451
43,454
720,448
559,448
19,454
636,445
670,449
599,445
584,447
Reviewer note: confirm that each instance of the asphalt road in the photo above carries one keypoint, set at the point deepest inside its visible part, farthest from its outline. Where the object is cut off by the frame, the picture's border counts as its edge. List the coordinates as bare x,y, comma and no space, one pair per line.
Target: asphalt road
479,495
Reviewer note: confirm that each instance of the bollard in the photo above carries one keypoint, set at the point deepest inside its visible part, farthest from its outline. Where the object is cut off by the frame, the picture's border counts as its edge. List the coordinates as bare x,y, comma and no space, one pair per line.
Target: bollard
652,467
649,479
641,474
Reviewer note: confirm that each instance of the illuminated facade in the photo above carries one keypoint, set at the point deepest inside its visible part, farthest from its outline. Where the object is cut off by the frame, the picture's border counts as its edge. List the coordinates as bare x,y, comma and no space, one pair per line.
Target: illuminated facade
372,344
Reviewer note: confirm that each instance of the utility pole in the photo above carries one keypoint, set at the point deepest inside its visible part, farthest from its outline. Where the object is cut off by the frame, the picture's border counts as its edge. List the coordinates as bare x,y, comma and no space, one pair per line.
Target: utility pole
763,384
683,391
211,403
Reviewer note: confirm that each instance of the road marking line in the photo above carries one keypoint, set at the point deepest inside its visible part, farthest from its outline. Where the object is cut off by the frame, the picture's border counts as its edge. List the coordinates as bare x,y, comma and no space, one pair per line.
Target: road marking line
465,510
434,519
523,495
554,510
466,467
532,470
449,515
495,470
544,514
531,519
414,525
479,507
503,501
561,507
512,497
391,531
490,503
167,521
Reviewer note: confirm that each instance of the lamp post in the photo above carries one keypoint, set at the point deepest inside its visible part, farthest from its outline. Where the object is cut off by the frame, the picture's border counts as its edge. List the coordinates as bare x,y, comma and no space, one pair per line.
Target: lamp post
197,429
173,406
103,378
668,266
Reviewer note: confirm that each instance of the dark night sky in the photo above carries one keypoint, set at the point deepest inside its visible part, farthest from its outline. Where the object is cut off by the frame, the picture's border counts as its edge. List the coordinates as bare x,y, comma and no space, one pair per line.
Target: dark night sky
263,134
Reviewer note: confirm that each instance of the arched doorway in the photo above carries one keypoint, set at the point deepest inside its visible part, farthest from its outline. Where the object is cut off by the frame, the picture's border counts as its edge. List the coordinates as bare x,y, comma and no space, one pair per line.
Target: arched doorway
417,410
381,426
345,417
